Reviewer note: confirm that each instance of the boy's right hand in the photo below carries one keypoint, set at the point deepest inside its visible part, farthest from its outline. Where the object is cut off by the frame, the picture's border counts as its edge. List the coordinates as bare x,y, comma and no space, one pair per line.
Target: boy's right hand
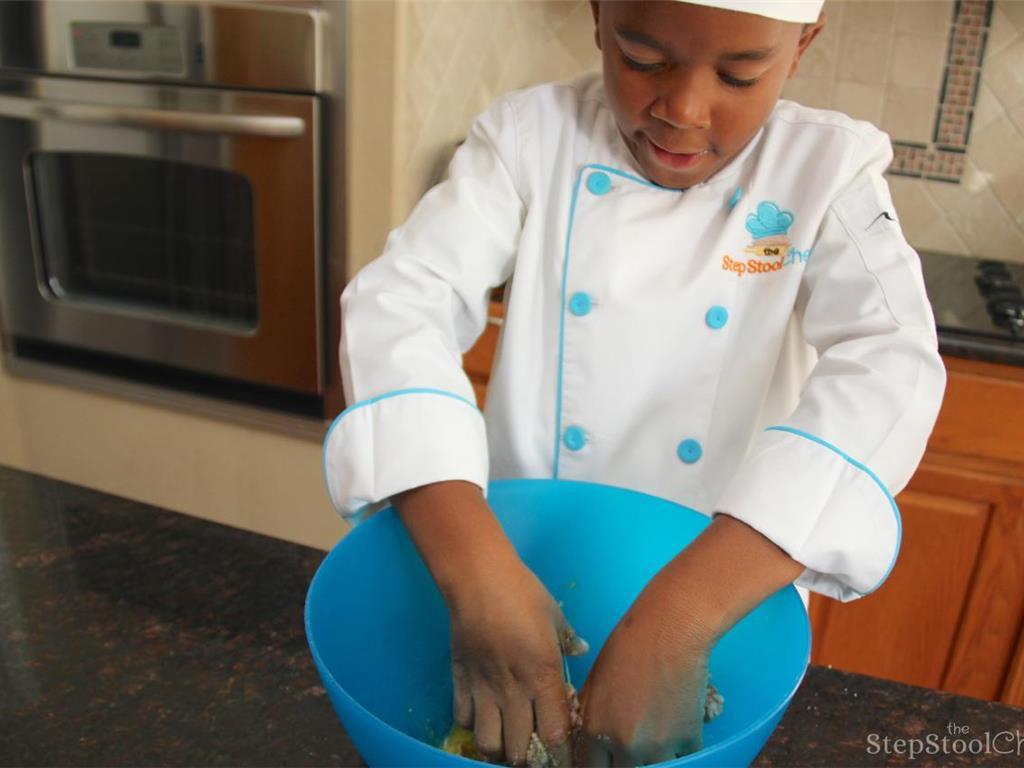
507,637
507,632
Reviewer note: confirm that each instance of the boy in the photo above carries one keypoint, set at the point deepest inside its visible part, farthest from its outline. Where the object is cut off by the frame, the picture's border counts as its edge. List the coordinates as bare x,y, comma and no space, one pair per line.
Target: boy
711,301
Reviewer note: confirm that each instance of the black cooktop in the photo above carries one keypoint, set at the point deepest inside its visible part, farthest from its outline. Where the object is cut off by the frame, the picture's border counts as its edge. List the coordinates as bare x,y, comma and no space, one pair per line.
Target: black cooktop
978,306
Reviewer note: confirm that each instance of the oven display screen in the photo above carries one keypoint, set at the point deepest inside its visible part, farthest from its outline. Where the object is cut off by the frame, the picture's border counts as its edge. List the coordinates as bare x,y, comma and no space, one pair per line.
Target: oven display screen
119,38
127,47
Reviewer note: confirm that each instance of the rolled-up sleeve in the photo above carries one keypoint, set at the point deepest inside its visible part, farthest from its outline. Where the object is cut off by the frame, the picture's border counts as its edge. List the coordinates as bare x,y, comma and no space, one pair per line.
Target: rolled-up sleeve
821,484
407,318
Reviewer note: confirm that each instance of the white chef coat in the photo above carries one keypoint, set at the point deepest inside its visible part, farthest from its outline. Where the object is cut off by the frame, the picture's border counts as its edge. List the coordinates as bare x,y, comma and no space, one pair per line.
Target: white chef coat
759,344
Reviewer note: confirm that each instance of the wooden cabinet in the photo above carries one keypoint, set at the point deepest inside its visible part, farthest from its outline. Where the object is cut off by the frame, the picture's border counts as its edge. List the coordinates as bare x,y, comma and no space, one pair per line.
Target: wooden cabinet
477,361
951,614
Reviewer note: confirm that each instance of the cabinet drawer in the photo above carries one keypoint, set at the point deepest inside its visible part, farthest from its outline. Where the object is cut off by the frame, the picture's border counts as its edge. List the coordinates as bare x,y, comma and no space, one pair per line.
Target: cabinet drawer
982,412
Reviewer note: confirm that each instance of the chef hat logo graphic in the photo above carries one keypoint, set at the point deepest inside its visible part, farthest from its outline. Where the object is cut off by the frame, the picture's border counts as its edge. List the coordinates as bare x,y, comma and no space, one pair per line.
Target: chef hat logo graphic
769,221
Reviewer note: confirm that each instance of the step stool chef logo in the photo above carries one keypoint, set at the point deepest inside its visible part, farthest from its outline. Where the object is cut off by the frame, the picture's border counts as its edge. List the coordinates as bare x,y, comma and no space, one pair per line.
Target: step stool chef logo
771,247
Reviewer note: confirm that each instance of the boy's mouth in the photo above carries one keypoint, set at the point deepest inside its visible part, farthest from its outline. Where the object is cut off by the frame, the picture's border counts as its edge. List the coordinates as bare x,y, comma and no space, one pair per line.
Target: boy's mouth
674,160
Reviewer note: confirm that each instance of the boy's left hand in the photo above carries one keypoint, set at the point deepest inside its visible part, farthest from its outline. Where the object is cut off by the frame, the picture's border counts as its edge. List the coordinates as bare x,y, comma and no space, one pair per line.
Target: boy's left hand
643,701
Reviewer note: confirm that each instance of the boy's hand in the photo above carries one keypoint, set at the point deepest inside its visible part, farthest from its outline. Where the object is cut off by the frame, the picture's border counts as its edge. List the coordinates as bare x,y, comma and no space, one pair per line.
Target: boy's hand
507,632
507,642
643,701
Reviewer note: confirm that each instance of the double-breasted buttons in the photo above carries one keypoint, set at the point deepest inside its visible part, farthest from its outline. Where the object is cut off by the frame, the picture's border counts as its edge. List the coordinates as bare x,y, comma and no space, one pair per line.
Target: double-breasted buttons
580,303
717,317
574,438
689,451
599,183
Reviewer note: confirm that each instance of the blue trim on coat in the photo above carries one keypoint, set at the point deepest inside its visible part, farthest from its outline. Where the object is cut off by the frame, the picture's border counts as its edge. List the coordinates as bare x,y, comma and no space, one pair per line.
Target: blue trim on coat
565,282
630,176
561,323
869,473
370,401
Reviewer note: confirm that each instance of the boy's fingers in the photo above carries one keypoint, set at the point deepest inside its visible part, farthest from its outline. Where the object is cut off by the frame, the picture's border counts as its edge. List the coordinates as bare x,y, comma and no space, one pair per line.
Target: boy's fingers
487,725
517,725
688,747
592,752
462,701
623,757
551,707
562,754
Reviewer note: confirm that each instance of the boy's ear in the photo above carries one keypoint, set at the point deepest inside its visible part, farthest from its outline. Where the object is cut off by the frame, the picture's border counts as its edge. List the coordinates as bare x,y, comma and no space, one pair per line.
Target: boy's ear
595,10
807,34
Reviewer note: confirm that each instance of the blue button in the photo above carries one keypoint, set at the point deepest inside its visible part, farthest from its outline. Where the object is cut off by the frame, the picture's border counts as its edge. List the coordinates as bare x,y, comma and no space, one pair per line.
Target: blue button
735,198
599,183
579,304
574,438
689,451
717,317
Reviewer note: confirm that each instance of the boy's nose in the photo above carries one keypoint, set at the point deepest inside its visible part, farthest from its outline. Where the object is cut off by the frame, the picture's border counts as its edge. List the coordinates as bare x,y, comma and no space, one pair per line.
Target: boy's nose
684,103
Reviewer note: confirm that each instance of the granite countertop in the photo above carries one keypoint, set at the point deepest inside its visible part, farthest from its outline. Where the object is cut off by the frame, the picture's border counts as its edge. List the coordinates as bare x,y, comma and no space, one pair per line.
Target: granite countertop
130,635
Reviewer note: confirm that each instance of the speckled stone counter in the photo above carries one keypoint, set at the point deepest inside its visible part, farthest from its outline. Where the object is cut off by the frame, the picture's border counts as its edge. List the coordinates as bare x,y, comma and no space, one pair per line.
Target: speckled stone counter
134,636
839,719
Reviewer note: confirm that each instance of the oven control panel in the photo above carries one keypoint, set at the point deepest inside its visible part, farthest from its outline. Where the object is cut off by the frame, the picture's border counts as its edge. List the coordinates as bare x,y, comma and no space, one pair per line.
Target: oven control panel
126,47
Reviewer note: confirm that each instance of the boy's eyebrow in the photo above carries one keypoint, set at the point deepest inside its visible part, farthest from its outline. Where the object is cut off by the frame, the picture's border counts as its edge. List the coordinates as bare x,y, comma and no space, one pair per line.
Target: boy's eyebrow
757,54
642,38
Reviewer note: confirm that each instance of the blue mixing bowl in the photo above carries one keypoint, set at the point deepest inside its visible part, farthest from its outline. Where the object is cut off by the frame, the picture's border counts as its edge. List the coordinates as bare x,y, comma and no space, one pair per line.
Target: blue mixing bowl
378,628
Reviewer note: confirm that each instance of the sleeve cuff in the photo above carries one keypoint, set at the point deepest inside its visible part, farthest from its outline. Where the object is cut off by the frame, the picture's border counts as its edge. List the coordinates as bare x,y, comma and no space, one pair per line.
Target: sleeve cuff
825,509
397,441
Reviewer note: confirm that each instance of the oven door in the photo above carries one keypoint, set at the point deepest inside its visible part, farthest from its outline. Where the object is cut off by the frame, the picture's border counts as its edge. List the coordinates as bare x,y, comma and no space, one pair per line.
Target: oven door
166,224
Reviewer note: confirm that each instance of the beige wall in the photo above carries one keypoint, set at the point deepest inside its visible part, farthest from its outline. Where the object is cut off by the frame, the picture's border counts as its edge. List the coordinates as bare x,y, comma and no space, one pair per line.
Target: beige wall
375,62
458,55
879,61
247,478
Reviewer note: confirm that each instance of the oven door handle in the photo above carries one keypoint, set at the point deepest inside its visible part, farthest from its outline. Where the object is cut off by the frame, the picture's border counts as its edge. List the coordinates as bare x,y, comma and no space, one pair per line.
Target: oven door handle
268,126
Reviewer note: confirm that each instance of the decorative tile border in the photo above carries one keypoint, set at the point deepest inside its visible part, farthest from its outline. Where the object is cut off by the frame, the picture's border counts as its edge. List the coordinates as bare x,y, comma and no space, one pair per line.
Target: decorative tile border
943,158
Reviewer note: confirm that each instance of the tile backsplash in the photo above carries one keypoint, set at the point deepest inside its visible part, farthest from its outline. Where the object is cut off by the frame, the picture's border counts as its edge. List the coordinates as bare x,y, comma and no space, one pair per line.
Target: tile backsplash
944,78
946,81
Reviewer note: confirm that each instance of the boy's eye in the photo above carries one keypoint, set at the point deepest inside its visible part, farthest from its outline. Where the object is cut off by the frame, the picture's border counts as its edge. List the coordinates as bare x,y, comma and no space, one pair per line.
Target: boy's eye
736,82
639,65
733,82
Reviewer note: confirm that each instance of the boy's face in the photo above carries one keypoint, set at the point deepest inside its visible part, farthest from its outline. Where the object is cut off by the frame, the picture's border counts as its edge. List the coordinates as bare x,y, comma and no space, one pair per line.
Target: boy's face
691,85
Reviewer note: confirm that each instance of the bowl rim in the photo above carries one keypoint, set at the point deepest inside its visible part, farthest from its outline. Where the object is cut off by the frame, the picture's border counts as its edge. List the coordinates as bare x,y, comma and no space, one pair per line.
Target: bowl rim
703,753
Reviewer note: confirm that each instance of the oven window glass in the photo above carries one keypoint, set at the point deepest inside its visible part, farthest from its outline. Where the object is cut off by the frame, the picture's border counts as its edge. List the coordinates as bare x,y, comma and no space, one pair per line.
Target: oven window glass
164,238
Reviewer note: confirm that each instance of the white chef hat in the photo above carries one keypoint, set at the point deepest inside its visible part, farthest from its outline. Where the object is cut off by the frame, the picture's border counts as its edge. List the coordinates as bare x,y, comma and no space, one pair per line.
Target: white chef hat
805,11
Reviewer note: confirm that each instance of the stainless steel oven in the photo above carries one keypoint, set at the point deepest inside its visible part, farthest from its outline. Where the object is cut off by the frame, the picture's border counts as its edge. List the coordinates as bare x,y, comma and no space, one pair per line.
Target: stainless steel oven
161,190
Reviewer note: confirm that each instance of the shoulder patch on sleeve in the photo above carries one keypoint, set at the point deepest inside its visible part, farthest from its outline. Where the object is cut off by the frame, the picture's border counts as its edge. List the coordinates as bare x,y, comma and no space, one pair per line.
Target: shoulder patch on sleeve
865,210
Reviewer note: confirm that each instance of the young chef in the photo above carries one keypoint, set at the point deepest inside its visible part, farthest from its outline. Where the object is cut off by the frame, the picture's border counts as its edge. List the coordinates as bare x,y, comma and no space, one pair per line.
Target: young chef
711,301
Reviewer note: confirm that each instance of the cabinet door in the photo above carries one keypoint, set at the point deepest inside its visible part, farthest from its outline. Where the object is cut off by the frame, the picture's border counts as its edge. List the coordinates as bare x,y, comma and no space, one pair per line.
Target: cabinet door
906,629
478,360
1013,690
982,656
949,614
